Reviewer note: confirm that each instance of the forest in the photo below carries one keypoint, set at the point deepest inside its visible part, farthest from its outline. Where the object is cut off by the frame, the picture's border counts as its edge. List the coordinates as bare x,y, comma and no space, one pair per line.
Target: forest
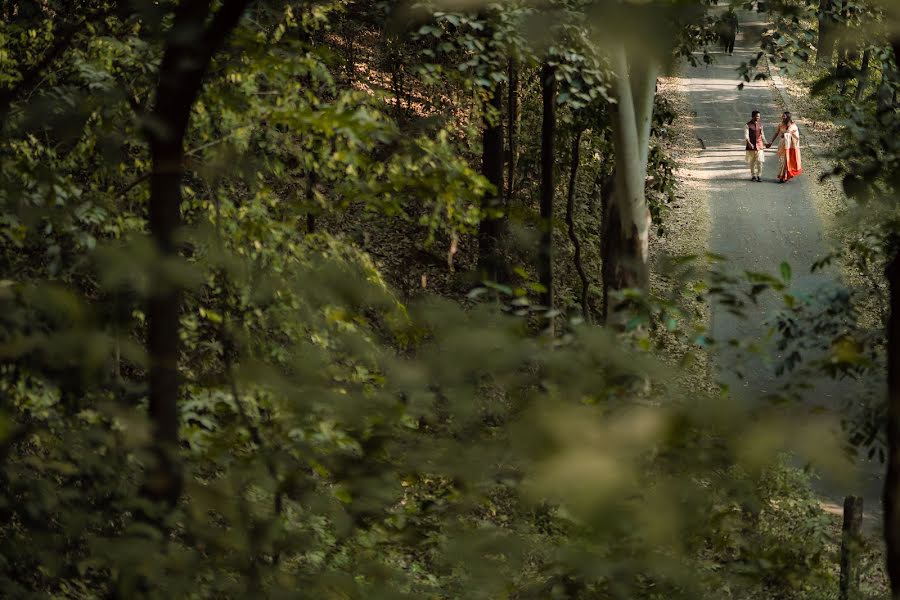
448,299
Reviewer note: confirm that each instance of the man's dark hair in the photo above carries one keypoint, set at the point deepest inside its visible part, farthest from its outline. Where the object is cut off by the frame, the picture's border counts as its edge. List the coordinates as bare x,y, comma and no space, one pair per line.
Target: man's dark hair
754,113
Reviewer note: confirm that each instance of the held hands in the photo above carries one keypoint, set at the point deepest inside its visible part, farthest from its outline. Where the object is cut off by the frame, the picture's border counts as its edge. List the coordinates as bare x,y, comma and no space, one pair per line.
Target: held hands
769,145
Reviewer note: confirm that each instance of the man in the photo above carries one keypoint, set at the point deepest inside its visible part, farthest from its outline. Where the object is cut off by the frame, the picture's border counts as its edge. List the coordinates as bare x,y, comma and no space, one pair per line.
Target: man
728,28
755,145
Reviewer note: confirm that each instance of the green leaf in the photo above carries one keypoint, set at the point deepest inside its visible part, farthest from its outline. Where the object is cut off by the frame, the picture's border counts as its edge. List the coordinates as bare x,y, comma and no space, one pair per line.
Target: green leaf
785,271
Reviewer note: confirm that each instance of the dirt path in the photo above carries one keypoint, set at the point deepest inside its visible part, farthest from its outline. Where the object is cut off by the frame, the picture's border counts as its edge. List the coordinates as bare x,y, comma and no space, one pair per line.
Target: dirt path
757,226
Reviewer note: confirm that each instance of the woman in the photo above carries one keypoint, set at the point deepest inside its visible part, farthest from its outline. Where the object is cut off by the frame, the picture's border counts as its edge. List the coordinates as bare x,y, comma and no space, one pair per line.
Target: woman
788,149
755,140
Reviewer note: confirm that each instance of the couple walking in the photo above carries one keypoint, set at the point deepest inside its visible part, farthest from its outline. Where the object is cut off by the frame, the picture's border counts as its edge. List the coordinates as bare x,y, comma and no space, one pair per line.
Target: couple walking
788,148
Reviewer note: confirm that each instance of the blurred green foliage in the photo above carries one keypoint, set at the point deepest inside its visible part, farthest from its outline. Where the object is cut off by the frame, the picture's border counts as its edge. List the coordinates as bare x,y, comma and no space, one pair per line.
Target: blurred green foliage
339,441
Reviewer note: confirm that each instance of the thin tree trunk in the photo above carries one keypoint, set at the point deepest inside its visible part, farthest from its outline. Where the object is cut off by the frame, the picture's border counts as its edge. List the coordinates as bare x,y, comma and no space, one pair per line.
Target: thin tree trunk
891,493
394,87
851,542
891,497
491,229
351,60
548,157
512,128
189,51
605,187
862,79
310,201
570,222
401,86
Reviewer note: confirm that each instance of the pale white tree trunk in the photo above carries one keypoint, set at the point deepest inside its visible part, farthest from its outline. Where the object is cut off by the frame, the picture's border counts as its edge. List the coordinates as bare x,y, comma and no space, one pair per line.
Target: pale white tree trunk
627,229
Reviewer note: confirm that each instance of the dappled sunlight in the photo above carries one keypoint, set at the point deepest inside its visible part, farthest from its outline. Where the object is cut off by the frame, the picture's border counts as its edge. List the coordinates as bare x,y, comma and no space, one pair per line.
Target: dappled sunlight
718,164
757,226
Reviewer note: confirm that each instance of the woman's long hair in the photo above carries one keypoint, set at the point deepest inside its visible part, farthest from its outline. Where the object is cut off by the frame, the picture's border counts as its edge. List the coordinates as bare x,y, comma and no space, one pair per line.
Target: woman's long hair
787,119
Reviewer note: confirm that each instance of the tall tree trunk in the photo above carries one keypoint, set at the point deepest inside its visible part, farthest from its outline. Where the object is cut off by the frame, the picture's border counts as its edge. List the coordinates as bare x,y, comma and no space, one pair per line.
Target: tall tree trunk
625,260
891,497
626,235
848,52
512,128
844,72
851,544
827,32
548,159
492,228
188,53
570,222
891,494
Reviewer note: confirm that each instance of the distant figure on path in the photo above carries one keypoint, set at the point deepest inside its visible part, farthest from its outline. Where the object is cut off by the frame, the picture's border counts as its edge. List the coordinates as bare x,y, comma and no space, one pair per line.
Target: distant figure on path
756,145
727,28
788,149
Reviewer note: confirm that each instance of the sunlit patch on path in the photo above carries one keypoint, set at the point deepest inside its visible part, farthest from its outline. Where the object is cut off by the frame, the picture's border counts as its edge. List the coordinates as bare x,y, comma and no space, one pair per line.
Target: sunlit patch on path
757,226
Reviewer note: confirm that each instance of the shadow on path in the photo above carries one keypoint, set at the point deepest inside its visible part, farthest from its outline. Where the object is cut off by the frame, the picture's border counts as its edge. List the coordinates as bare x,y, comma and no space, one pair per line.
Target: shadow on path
757,226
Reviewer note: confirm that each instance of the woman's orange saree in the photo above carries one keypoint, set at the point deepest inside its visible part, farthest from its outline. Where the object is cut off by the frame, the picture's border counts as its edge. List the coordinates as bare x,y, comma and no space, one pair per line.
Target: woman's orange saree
789,153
